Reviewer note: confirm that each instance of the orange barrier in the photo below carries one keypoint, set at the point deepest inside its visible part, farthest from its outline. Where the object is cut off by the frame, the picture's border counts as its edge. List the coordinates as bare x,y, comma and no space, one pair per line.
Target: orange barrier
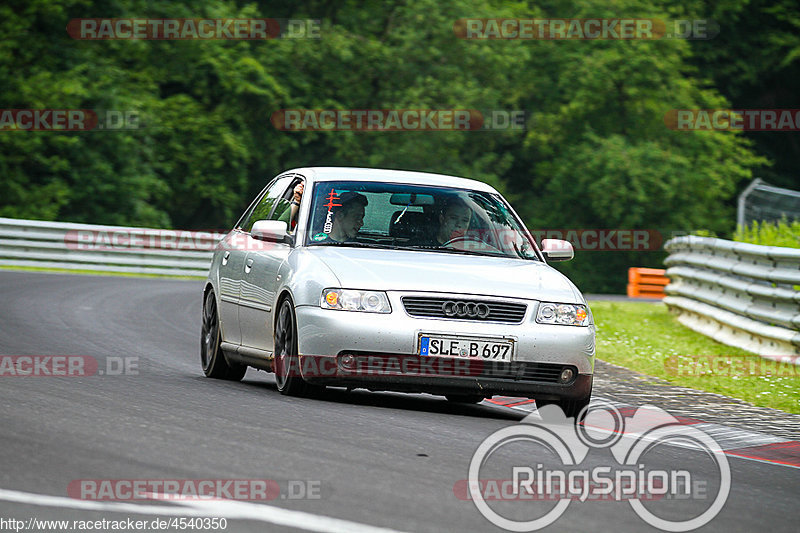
646,282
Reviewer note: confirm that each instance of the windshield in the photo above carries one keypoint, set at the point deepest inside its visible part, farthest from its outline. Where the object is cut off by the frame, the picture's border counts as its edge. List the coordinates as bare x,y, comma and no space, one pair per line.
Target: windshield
437,219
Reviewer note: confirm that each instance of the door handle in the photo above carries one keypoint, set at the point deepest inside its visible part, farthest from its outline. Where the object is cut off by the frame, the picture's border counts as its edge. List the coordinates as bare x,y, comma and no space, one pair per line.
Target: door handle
248,265
225,257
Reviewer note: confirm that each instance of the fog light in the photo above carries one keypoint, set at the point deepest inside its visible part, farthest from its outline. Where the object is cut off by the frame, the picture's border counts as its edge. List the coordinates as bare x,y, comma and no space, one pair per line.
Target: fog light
348,360
566,375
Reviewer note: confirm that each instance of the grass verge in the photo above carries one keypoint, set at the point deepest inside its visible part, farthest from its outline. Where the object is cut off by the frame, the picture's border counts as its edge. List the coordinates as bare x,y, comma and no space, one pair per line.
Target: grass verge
93,272
645,337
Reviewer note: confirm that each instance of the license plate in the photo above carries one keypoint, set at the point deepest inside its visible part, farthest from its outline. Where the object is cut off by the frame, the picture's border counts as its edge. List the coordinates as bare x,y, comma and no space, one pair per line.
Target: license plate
468,347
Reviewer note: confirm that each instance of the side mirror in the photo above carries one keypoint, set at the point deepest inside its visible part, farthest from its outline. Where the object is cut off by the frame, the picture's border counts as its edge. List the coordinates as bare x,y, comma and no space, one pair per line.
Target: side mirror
270,230
557,250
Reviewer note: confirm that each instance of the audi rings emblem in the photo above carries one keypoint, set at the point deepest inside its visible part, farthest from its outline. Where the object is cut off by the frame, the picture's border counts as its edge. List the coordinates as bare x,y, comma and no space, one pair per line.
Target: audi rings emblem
465,309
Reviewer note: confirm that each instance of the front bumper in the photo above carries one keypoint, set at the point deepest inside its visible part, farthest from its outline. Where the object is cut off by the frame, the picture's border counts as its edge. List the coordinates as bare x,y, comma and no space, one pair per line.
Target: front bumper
390,341
413,373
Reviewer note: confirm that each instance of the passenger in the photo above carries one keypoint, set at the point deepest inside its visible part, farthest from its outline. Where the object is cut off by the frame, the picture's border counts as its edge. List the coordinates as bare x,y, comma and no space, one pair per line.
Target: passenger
290,215
349,217
295,205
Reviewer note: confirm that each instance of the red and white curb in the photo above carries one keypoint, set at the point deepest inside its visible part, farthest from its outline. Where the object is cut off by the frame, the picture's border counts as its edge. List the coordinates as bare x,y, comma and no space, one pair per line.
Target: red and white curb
735,442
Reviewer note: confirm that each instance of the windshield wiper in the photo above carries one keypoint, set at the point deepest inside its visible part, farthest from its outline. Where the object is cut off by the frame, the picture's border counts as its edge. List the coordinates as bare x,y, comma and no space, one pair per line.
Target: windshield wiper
471,252
454,251
357,244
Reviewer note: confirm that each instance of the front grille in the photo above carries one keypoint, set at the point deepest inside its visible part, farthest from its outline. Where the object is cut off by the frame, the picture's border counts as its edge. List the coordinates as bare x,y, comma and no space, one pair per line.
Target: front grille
522,371
467,309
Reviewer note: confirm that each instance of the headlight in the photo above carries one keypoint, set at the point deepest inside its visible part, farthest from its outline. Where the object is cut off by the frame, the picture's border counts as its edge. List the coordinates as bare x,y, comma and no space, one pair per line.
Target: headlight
354,300
563,314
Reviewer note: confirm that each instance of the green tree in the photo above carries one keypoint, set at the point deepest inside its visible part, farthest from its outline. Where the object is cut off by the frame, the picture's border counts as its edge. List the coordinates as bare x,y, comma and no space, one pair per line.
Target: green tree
596,152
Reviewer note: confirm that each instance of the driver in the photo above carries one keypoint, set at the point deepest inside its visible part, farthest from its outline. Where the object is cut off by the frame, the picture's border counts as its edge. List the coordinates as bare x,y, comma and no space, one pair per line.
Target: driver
454,220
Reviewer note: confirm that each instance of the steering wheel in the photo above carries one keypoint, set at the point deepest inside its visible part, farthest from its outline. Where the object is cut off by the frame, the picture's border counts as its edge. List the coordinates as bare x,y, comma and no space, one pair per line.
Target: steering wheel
469,238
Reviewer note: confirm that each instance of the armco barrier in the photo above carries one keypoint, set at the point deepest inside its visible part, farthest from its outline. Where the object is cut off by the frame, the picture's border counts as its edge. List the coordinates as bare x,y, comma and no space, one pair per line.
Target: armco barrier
740,294
37,243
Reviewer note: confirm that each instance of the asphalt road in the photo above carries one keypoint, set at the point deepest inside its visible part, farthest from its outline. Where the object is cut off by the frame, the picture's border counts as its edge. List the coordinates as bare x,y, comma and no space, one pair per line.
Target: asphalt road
372,460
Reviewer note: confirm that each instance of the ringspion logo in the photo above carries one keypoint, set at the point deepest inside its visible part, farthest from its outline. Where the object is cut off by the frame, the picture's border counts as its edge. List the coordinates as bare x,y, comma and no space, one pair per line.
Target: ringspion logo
628,439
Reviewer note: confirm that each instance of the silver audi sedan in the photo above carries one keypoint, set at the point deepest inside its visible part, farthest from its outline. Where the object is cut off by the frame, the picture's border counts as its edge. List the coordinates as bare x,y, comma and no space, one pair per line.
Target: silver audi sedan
395,280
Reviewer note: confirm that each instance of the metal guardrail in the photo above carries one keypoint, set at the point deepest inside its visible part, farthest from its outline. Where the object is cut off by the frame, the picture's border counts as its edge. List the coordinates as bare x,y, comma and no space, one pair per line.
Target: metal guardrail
762,201
37,243
740,294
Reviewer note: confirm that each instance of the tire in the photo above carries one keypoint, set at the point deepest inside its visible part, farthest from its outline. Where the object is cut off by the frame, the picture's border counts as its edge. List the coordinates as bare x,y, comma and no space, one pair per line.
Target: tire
286,363
572,408
464,398
211,356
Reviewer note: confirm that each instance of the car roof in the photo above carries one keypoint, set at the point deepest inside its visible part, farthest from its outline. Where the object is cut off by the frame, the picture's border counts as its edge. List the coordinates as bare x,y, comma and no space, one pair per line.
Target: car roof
316,174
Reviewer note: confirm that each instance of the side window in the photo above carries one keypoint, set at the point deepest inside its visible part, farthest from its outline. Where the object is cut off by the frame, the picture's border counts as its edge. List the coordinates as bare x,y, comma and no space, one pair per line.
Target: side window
262,209
246,215
283,206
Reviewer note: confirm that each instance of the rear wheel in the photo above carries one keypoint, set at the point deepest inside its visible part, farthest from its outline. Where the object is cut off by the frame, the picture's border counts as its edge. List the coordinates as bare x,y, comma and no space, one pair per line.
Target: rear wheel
211,356
464,398
286,363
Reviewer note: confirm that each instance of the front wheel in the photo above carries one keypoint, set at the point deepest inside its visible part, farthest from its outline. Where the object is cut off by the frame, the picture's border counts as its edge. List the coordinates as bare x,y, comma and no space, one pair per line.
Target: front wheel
211,356
286,363
572,408
464,398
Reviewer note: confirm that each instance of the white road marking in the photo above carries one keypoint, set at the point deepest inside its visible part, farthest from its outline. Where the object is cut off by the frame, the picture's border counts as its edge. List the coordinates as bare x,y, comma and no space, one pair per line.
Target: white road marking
732,438
220,508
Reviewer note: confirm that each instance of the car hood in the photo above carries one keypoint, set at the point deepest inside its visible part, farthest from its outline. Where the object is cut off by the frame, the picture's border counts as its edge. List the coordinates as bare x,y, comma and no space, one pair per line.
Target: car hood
404,270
